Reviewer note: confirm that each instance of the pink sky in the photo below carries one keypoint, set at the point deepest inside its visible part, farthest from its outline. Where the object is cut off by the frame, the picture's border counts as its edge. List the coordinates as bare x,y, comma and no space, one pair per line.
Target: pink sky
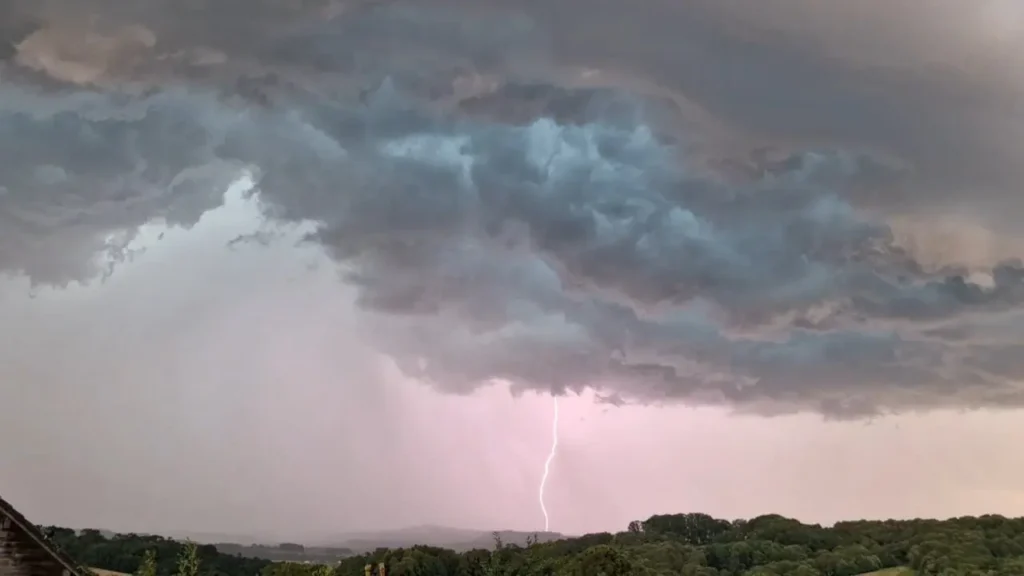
187,402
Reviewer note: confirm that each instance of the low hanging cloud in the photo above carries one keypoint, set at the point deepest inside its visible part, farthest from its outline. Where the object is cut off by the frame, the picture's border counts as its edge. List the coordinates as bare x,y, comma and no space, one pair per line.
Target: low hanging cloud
509,210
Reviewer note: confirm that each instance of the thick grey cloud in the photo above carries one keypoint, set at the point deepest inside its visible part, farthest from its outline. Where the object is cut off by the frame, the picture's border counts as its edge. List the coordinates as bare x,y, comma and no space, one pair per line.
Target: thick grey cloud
667,201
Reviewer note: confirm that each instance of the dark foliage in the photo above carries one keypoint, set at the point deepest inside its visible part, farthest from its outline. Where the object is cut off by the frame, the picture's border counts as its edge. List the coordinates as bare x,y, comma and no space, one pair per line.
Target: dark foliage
678,544
124,553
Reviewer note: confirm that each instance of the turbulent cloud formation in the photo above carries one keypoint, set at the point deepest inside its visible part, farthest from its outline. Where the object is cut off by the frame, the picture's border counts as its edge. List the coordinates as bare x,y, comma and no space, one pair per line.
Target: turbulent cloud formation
674,202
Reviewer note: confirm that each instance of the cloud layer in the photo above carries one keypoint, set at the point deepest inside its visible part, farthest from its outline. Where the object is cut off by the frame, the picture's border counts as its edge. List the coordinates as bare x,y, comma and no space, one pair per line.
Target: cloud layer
555,211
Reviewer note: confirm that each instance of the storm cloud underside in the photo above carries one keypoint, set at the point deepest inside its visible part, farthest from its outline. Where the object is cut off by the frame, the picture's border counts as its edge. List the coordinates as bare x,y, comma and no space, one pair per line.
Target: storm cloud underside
691,206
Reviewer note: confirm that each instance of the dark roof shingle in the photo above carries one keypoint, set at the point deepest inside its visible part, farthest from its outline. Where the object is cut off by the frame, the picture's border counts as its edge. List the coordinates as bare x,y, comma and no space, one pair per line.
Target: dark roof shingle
25,551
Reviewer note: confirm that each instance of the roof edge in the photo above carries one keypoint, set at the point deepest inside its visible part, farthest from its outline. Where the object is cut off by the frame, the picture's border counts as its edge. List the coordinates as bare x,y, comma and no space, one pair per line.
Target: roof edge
37,536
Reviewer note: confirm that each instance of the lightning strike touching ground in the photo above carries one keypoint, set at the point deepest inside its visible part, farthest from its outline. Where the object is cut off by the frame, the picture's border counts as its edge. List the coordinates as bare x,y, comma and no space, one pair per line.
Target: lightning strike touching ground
547,466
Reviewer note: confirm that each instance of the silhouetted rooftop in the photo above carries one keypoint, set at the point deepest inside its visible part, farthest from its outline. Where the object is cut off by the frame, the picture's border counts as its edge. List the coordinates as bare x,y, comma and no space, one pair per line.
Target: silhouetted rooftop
25,550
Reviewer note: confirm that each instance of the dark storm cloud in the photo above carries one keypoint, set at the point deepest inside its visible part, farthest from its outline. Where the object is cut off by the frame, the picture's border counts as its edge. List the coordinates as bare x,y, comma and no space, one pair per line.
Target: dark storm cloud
82,172
512,215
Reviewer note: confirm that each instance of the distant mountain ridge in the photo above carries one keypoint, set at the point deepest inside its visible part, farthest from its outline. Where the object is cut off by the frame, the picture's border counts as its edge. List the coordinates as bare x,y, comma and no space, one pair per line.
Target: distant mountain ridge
458,539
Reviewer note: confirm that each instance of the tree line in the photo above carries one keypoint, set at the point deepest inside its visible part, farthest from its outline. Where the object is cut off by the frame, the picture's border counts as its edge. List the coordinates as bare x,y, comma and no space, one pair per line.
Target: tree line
662,545
126,553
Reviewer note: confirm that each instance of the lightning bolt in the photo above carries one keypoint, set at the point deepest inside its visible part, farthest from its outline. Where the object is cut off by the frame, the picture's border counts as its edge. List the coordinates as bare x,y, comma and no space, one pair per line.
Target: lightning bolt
547,465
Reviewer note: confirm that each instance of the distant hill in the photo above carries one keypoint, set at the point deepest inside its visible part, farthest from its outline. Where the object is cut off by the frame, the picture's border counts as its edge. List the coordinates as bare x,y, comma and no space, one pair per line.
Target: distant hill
330,549
286,552
457,539
215,537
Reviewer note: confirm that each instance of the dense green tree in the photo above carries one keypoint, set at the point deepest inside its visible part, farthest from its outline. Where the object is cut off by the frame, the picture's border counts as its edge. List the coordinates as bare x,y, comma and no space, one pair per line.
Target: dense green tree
148,565
602,560
126,552
662,545
188,560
